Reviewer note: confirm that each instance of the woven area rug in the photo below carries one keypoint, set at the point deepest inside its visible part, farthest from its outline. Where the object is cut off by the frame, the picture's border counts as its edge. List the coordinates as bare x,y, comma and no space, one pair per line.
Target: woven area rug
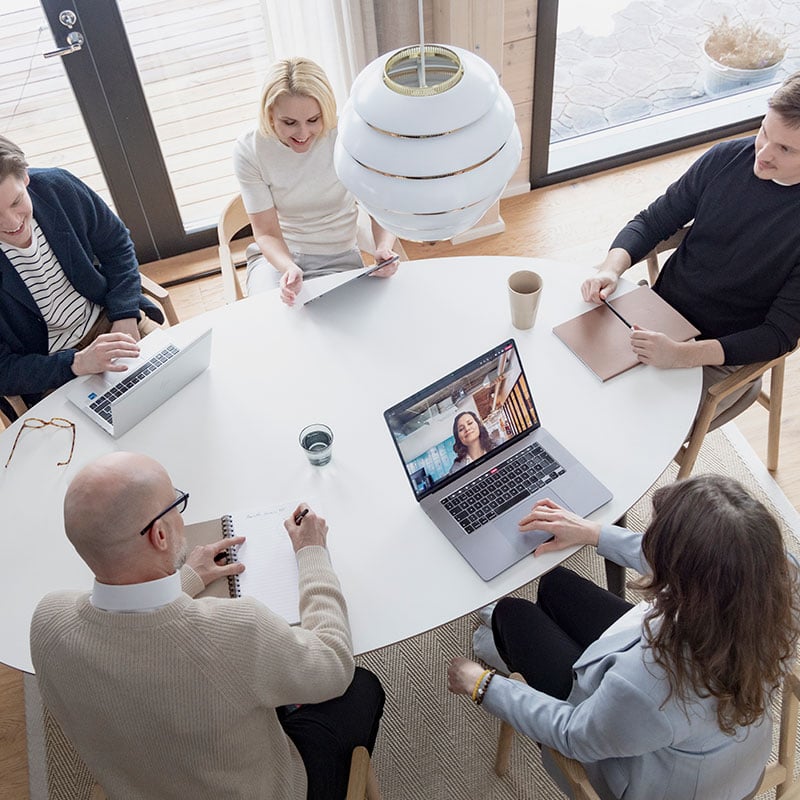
433,745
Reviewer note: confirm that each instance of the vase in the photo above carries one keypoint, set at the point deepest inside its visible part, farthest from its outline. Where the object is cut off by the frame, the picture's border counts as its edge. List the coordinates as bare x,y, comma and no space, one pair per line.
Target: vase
719,79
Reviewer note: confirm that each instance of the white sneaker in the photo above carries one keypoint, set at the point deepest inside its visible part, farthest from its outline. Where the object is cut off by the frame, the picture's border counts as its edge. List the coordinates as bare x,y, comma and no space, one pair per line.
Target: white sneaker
483,647
485,614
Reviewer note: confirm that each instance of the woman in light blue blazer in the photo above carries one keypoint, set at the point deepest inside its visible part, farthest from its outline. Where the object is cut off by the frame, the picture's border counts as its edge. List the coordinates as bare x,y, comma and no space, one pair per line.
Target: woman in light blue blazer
671,698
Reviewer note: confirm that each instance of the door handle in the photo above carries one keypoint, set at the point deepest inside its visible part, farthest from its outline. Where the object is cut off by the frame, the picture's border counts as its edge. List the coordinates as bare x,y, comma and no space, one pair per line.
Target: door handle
74,43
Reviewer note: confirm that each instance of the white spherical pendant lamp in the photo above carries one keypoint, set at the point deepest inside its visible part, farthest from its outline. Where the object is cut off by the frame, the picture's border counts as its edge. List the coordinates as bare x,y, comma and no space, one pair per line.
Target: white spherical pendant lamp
427,141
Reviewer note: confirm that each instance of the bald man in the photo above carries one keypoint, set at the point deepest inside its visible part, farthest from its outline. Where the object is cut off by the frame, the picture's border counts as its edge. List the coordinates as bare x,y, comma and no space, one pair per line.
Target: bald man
166,696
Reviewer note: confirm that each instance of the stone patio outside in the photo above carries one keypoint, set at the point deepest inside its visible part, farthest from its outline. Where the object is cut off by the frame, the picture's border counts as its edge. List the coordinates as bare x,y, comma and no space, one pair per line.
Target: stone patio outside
652,61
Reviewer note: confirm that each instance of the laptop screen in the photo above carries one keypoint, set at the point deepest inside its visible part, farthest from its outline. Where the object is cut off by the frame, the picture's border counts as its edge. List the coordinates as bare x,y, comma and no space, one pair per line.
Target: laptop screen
463,418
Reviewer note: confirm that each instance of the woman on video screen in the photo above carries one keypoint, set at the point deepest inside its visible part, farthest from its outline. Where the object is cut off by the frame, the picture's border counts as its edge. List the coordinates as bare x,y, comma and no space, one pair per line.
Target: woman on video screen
472,440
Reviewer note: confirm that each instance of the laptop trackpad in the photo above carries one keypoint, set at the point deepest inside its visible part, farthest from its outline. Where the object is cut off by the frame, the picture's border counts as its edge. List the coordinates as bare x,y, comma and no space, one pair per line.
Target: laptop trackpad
508,523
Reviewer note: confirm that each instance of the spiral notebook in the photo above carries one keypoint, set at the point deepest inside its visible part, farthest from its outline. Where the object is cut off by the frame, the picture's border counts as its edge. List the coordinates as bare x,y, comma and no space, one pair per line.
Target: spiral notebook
271,567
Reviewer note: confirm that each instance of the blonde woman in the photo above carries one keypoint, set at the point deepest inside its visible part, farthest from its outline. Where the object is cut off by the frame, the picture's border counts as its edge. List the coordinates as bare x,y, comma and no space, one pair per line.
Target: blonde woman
304,220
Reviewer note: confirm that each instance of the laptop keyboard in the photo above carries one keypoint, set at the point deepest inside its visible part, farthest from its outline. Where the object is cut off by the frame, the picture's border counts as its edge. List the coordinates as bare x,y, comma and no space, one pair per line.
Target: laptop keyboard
494,492
102,405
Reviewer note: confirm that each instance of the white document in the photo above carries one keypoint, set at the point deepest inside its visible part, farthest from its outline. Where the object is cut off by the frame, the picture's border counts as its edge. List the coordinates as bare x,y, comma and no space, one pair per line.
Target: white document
270,573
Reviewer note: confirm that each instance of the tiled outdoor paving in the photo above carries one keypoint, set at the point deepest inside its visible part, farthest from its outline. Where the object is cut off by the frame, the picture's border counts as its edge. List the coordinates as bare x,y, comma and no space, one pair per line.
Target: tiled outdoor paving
653,61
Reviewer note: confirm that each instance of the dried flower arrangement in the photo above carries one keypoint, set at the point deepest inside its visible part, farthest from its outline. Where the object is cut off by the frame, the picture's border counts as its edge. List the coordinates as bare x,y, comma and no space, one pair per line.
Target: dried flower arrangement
744,45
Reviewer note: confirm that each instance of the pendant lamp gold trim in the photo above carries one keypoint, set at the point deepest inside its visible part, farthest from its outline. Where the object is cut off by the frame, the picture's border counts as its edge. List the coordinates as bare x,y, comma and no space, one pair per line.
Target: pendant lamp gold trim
429,177
433,213
401,71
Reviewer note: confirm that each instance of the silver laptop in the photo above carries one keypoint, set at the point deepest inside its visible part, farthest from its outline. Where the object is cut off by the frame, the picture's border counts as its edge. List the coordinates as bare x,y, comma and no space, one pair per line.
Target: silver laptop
477,504
117,401
315,288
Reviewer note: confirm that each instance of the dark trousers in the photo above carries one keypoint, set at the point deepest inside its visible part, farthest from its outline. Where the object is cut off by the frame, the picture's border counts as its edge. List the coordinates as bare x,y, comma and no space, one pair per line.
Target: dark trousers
326,733
543,640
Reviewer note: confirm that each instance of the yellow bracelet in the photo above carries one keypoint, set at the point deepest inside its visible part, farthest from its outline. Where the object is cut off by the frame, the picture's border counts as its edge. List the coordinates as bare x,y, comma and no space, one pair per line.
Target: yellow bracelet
478,685
482,691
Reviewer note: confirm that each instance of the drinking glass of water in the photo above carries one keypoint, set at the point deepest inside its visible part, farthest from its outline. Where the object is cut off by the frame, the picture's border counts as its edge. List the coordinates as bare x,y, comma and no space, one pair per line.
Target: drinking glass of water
317,442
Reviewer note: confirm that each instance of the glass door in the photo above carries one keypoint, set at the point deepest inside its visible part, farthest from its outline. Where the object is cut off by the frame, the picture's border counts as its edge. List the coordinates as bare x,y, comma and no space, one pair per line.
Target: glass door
165,88
142,99
38,110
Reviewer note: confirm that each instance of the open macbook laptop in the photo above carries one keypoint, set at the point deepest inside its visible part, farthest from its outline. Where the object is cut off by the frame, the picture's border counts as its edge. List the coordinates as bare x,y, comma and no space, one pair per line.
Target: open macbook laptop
117,401
317,287
487,405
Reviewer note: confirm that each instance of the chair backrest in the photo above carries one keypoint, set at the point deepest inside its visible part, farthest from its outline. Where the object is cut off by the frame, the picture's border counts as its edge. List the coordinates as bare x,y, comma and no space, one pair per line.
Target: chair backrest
653,267
575,775
231,221
11,408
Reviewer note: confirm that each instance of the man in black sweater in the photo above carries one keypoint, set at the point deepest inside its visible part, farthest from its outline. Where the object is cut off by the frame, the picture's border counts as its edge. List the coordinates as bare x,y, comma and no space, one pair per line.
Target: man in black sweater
736,275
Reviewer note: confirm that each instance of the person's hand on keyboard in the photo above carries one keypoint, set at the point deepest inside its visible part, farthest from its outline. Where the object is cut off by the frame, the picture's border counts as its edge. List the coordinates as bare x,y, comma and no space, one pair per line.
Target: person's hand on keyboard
101,354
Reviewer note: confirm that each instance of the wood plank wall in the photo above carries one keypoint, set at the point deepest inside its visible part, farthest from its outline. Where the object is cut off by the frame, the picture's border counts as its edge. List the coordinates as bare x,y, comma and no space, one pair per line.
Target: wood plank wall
519,41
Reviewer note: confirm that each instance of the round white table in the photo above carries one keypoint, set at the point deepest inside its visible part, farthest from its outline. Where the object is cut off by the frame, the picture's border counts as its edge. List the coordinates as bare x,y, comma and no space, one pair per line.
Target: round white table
230,437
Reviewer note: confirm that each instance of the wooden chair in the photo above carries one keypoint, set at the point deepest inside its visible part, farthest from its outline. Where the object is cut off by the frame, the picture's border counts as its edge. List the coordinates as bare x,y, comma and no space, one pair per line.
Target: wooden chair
706,419
161,296
234,219
778,775
11,407
362,785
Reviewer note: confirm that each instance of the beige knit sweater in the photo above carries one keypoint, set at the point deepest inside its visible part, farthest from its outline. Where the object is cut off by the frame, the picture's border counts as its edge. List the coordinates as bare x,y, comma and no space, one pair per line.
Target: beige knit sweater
179,702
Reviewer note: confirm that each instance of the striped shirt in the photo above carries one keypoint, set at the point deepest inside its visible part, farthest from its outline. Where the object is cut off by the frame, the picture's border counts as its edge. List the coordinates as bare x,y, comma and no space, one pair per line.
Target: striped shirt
67,313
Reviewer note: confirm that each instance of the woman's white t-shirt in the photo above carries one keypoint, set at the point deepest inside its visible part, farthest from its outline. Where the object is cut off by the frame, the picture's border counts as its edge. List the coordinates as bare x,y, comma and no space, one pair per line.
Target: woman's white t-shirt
316,213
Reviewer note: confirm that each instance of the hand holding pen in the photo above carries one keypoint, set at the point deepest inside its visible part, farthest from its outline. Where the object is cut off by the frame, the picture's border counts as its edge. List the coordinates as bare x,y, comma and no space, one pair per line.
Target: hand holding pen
386,267
616,313
306,529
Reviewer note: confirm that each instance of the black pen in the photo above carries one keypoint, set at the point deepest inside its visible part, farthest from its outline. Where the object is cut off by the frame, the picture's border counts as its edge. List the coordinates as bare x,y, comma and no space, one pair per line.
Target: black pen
299,518
380,264
616,313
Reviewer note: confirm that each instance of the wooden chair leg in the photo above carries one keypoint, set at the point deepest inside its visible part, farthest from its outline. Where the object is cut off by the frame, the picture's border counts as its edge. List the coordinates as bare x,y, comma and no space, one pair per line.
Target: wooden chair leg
373,789
775,408
503,756
688,456
97,793
362,783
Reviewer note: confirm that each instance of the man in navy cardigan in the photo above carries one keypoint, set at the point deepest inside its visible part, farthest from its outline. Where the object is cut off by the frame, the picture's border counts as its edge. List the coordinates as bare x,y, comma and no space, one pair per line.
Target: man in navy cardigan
93,248
736,275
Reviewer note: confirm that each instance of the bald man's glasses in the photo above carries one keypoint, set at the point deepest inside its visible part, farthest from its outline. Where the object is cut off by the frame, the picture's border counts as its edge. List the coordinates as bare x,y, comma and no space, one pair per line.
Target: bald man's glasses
35,422
181,501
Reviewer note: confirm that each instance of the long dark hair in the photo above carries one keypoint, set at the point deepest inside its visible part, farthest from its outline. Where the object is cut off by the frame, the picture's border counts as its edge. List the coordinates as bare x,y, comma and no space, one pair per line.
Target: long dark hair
461,449
725,595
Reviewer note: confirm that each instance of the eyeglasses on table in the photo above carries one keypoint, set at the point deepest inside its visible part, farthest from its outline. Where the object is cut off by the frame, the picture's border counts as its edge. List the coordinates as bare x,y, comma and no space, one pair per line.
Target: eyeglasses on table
36,424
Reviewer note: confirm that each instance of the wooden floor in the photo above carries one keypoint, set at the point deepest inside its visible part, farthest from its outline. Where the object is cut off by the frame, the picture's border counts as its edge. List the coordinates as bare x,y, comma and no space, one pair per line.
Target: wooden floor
572,221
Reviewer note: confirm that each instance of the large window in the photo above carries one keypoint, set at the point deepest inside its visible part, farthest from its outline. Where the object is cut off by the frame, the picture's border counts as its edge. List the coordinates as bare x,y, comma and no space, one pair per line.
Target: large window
616,79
